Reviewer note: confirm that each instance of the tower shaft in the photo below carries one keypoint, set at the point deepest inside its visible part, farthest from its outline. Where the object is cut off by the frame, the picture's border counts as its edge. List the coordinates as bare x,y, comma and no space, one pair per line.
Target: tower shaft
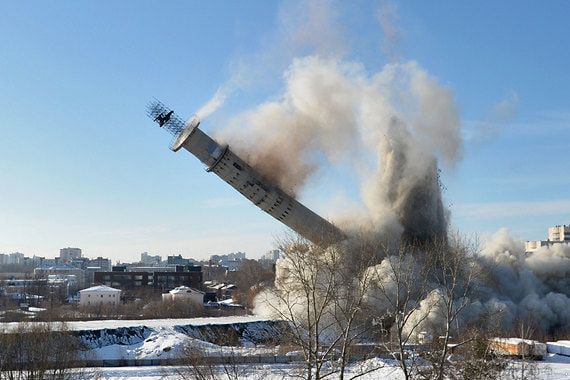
220,159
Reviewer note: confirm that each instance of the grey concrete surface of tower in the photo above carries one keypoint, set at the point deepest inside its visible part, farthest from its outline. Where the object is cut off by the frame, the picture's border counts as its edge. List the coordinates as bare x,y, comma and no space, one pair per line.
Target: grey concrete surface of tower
220,160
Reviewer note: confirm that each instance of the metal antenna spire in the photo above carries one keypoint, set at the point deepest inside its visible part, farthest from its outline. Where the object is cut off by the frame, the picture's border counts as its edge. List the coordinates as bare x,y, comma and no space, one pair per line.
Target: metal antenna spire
165,117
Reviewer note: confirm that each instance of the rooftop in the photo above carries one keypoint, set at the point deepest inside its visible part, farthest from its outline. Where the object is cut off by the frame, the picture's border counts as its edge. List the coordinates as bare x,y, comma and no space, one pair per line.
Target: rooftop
100,288
184,289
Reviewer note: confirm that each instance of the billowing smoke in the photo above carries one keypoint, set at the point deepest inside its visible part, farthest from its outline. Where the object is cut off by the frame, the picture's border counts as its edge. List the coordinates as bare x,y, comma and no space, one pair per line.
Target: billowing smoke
395,127
532,286
392,126
515,288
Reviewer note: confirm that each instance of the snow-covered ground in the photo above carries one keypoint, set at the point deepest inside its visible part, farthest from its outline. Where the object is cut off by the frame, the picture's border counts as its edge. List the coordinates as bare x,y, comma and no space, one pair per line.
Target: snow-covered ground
553,367
383,370
558,364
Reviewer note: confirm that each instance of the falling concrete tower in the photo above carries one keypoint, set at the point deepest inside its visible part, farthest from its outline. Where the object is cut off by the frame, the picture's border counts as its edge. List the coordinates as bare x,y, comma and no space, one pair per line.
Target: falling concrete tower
220,160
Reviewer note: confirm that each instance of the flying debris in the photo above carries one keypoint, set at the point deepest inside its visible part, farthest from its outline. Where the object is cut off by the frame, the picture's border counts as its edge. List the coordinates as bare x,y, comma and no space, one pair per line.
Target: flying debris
220,160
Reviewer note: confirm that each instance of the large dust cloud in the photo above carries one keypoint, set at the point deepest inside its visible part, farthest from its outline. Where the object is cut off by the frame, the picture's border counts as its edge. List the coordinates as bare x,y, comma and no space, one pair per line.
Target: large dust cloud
396,127
391,126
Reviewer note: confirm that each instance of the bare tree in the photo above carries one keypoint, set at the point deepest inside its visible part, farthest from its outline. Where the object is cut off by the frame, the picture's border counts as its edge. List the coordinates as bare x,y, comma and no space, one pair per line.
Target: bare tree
351,311
525,367
474,357
321,292
251,278
400,295
224,363
304,293
335,297
455,272
40,351
173,309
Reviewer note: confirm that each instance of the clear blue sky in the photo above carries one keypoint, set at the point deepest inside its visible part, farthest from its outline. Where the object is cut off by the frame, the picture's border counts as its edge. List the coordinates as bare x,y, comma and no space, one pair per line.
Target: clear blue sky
81,164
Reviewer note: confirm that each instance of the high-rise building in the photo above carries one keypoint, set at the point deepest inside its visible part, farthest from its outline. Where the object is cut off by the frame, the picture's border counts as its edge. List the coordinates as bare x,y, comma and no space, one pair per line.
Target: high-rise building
101,262
150,259
178,260
559,234
69,254
12,258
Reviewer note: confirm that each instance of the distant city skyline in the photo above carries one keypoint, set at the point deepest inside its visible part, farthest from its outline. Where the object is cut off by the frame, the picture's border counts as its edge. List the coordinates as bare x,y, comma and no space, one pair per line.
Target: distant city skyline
82,166
67,255
144,257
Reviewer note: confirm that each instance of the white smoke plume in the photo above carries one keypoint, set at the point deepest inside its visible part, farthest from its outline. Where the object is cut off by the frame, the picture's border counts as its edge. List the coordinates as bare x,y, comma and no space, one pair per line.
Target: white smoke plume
387,15
392,126
502,114
215,102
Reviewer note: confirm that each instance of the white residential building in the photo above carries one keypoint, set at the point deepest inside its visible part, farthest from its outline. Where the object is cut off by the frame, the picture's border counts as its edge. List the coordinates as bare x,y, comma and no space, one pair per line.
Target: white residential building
559,233
556,235
184,293
231,260
99,295
12,258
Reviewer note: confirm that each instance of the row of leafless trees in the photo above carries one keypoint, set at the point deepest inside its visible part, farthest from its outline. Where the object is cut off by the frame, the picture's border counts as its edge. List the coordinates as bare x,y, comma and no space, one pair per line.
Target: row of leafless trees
408,300
37,351
139,309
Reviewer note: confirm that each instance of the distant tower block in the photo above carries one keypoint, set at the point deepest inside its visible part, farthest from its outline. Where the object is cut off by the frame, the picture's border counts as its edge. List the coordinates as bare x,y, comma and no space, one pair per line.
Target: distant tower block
242,177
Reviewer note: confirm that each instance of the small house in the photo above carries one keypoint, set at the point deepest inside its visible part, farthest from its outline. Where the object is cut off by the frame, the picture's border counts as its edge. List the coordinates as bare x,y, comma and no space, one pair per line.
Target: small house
99,295
184,293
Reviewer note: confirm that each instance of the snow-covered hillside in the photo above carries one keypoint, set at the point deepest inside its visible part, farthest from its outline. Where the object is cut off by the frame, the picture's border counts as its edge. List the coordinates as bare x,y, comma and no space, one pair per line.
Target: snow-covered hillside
167,338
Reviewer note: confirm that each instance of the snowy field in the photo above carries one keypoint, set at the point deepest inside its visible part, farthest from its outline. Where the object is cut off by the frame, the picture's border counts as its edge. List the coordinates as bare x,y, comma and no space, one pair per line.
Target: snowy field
553,367
250,372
